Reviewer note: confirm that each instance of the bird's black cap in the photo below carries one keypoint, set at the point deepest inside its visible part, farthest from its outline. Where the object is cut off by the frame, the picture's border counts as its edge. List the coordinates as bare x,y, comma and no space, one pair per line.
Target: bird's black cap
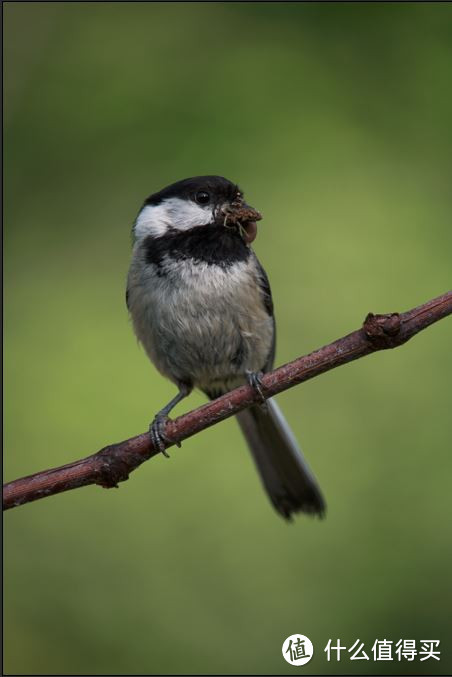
187,189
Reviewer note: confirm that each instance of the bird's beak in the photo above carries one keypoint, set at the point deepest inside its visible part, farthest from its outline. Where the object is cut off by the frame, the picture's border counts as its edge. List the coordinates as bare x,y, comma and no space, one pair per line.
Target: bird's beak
240,215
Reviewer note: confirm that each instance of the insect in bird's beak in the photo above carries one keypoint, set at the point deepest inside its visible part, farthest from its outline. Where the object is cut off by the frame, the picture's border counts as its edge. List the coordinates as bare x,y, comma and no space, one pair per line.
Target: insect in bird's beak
240,215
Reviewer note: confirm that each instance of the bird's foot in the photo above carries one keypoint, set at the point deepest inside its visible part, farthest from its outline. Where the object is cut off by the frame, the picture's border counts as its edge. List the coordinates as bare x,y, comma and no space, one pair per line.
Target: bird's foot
157,433
254,379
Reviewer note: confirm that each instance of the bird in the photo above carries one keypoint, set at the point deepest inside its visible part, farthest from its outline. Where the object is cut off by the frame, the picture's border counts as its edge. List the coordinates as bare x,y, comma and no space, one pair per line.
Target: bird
201,306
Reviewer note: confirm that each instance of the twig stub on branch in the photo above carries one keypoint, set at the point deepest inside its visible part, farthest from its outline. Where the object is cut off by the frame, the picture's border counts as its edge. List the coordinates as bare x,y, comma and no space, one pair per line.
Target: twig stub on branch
383,330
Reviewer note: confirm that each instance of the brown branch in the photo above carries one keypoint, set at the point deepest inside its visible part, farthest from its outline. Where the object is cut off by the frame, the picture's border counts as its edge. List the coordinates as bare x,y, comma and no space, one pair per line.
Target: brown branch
114,463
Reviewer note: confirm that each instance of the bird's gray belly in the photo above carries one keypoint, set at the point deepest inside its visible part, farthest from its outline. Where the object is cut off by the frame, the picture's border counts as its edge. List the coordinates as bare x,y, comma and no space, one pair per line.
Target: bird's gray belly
207,330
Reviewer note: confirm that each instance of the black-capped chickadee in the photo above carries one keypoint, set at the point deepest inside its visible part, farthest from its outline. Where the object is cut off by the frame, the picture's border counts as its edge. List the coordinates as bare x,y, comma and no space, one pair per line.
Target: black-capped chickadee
201,306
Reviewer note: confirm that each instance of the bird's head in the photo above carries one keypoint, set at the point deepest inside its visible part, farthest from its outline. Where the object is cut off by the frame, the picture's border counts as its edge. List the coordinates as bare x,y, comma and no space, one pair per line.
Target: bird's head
195,202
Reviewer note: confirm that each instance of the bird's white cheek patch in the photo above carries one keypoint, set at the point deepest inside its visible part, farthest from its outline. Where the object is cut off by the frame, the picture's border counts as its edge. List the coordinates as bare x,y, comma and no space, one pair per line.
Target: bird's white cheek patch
156,220
152,220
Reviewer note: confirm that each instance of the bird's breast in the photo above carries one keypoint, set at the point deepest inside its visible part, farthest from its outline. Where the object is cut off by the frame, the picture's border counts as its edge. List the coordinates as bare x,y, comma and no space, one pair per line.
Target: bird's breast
200,320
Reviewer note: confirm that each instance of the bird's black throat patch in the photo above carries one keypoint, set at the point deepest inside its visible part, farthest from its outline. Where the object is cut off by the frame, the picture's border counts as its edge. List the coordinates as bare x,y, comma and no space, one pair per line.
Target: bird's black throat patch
212,244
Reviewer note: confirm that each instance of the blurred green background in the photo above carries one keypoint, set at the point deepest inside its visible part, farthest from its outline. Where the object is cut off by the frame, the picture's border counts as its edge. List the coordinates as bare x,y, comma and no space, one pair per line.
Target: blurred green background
336,121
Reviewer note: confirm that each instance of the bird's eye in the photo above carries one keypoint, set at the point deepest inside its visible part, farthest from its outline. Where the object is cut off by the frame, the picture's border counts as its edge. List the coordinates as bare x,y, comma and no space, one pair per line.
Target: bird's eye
202,197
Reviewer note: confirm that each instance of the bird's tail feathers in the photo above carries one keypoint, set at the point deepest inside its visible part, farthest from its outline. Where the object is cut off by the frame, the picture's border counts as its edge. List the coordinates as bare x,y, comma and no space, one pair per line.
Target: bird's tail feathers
284,472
